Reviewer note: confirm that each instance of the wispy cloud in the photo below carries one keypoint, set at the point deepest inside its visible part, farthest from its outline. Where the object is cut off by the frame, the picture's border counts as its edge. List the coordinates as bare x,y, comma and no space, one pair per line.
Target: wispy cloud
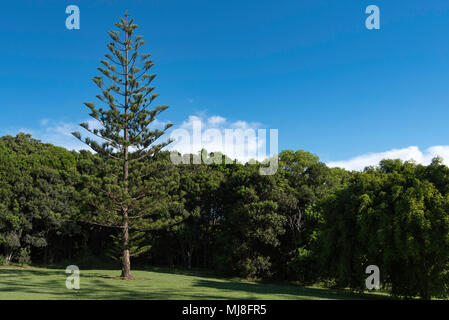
58,133
54,132
216,120
410,153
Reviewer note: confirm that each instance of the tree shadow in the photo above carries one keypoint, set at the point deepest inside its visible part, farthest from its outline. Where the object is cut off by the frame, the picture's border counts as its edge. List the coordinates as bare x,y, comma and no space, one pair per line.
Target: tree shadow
186,272
293,292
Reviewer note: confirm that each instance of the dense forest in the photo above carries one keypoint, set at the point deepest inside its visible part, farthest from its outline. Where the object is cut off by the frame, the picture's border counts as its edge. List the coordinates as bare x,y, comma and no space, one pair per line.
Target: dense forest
307,223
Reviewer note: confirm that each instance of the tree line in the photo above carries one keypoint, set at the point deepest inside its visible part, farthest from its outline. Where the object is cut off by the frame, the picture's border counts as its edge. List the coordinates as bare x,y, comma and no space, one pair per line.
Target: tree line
307,223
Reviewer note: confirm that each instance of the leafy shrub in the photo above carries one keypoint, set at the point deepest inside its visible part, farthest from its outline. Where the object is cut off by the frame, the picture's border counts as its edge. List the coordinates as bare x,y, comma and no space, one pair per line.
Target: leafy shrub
24,256
301,267
256,268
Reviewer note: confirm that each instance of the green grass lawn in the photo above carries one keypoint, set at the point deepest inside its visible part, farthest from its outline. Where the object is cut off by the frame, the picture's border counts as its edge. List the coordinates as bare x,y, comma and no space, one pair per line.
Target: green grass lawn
40,283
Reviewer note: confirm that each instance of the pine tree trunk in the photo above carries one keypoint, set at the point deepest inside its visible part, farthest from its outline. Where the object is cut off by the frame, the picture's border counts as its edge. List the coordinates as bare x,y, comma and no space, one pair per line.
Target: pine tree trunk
126,268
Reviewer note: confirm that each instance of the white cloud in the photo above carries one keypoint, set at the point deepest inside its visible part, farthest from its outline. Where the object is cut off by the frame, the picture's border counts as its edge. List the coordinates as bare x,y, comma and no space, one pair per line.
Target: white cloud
58,133
410,153
94,124
215,120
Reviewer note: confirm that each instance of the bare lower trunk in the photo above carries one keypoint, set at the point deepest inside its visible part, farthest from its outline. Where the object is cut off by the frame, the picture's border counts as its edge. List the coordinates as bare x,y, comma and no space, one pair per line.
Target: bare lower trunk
126,263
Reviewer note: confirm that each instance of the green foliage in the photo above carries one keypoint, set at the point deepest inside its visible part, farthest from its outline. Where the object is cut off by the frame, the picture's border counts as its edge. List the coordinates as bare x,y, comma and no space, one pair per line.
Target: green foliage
37,192
139,243
302,266
252,224
255,267
390,218
307,181
23,257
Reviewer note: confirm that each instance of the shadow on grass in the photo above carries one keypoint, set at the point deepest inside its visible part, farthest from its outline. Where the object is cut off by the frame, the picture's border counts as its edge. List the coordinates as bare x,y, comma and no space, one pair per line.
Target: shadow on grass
25,283
283,290
50,284
185,272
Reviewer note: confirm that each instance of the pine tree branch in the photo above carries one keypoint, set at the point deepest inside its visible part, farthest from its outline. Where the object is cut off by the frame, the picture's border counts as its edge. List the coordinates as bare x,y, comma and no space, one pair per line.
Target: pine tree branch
163,226
93,223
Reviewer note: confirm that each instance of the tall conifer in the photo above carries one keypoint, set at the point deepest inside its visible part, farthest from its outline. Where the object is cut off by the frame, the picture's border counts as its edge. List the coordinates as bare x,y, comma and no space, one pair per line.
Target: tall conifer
124,135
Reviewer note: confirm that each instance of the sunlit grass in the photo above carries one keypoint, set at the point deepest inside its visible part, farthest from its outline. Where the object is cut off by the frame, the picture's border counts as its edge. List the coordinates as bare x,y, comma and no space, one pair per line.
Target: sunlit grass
39,283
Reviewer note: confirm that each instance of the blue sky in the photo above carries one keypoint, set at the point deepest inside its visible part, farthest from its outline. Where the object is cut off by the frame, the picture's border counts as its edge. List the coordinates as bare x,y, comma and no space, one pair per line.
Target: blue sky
307,68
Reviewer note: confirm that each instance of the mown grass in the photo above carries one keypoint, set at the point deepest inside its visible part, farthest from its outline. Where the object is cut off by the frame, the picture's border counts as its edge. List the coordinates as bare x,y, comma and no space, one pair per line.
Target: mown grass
49,284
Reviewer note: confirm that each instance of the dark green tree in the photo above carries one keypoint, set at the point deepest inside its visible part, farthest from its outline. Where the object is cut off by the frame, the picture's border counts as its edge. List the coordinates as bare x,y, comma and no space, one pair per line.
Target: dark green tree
124,135
252,223
388,217
36,193
200,186
309,180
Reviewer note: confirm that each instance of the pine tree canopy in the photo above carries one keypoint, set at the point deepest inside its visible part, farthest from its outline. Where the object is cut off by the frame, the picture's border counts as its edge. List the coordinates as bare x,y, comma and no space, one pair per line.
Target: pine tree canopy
128,95
125,135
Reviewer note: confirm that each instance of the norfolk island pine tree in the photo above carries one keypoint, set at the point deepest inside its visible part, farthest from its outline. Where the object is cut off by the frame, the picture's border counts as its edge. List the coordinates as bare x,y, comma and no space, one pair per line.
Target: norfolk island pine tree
126,140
